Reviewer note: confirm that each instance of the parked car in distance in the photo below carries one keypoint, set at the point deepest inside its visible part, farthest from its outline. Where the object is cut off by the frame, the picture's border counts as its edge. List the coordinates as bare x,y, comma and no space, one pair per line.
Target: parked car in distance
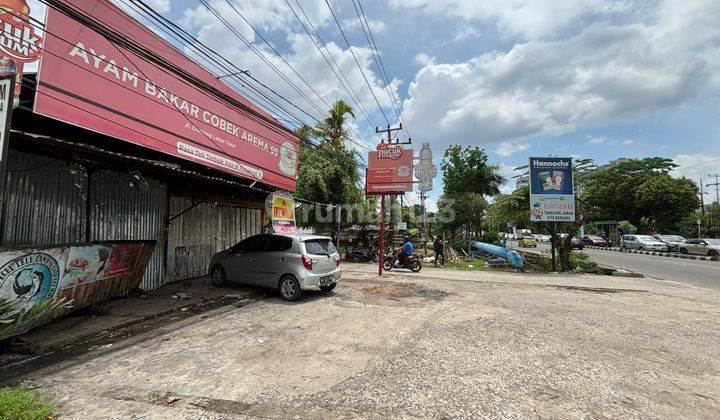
642,243
673,242
701,246
576,243
594,240
541,238
527,241
290,263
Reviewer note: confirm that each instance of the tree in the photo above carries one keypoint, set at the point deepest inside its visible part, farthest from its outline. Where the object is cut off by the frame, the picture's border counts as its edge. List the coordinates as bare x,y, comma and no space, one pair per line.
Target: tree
513,208
665,200
328,173
466,170
614,189
333,128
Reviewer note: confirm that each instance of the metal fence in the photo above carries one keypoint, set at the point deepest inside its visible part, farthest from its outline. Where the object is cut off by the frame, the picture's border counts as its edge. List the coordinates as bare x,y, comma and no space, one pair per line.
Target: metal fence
125,207
195,235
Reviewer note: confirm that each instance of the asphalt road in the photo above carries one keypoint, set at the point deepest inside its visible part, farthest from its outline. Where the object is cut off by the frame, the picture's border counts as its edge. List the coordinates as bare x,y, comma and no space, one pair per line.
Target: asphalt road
695,273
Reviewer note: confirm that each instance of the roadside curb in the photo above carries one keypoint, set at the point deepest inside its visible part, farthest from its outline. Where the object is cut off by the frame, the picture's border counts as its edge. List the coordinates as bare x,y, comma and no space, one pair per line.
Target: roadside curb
656,253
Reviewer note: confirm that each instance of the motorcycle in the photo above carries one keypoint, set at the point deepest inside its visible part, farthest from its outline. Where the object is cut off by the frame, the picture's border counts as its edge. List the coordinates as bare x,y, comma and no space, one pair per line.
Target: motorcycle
412,262
363,255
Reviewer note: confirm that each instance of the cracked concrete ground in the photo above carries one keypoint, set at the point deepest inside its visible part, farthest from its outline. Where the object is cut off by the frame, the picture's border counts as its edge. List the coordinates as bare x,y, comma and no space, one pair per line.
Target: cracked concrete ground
493,345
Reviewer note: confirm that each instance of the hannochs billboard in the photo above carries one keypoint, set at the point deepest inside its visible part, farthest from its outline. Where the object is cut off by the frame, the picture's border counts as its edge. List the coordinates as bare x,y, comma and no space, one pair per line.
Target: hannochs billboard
86,80
552,197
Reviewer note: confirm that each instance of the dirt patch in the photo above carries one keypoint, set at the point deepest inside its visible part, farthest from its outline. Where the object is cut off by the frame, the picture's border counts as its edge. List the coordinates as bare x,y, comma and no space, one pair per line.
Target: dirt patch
405,290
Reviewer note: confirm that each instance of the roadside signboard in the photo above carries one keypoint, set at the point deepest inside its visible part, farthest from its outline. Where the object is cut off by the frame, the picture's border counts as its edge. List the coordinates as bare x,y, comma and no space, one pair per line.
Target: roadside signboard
21,42
390,170
552,196
280,207
402,225
425,171
86,80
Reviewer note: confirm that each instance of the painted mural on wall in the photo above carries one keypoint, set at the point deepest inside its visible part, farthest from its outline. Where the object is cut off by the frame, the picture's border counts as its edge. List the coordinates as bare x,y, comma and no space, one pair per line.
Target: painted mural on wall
37,275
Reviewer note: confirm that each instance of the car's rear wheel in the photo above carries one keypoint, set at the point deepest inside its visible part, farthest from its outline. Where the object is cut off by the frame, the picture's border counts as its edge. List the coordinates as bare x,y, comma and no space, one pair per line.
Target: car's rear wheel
683,251
328,288
642,248
712,253
289,288
217,276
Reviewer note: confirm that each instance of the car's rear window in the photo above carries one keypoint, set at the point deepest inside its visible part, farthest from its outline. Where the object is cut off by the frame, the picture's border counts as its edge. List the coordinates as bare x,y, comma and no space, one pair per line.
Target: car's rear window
319,246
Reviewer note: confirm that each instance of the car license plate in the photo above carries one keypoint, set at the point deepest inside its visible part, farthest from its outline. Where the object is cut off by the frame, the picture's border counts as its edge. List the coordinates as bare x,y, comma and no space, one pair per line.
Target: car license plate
325,280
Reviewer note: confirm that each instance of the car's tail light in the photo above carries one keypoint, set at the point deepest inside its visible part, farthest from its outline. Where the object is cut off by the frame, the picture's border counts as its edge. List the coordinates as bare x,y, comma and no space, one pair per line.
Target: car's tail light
337,261
307,262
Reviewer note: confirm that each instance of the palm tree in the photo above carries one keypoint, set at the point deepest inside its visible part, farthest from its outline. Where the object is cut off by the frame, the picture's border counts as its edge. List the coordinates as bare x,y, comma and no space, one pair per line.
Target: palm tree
333,127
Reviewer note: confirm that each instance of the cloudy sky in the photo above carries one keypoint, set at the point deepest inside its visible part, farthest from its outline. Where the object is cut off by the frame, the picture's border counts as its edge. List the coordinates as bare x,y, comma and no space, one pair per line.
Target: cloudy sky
583,78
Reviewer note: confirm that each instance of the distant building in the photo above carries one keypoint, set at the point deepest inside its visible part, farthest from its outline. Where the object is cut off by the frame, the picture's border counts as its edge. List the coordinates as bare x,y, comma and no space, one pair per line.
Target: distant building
613,163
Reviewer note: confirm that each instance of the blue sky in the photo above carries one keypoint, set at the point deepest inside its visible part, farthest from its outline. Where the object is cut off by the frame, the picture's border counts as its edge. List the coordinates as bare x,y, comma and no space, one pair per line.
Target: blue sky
583,78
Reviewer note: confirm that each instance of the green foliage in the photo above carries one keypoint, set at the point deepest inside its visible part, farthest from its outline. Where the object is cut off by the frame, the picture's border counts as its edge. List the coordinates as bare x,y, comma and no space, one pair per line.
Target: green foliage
466,170
513,208
614,190
665,200
329,173
582,261
333,127
14,315
468,211
709,227
627,227
22,403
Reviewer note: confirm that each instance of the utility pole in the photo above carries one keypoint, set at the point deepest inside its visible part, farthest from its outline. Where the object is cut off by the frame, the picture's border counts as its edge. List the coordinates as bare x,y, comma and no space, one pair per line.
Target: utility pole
716,184
702,206
389,130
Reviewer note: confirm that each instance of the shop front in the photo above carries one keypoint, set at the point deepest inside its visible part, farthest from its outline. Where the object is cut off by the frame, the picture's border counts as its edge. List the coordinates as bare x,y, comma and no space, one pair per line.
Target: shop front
127,139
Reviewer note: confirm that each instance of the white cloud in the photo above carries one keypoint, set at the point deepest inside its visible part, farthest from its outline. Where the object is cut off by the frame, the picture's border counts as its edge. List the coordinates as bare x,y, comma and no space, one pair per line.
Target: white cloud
696,166
604,74
596,140
628,141
376,26
424,59
529,19
508,148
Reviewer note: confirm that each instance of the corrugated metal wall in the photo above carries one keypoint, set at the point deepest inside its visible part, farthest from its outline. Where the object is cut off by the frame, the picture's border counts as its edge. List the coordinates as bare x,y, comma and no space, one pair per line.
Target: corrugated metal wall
197,234
45,201
124,208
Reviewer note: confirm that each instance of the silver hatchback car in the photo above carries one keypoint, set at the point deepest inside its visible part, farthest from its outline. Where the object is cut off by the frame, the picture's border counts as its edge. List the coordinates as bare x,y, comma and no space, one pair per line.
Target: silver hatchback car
289,263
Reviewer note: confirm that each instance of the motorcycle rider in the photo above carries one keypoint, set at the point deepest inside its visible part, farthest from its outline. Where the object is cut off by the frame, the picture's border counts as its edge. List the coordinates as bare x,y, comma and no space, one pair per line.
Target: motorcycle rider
406,250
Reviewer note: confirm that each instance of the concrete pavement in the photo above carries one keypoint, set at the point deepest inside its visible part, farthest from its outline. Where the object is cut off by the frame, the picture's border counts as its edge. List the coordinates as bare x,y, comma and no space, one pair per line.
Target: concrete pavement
439,343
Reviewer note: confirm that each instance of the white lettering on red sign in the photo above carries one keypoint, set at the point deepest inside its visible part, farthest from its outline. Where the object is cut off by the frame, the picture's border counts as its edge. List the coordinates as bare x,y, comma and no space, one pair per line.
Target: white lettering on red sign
385,151
18,39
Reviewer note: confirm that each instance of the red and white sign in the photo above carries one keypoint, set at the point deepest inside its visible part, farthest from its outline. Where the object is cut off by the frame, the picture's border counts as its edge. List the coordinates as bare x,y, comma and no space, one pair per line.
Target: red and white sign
86,80
390,170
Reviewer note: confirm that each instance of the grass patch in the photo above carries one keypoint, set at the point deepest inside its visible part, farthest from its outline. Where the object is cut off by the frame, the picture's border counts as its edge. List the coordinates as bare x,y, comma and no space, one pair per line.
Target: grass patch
581,261
23,403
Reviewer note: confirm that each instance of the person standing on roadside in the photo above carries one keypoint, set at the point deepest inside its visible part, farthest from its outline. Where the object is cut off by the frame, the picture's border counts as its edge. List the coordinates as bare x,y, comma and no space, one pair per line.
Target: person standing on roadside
439,247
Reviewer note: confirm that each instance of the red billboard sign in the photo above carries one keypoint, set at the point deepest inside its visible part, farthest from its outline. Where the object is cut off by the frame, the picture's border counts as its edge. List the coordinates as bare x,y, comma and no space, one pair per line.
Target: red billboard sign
390,170
19,42
87,80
